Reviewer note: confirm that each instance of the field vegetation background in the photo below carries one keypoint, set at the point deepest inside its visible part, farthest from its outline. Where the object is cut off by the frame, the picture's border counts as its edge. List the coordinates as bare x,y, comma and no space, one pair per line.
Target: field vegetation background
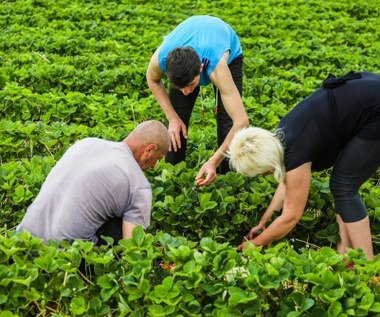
72,69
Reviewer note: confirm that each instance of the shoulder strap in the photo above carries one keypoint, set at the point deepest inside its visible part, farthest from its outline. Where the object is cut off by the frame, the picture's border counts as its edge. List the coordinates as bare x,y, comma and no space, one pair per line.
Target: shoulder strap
332,81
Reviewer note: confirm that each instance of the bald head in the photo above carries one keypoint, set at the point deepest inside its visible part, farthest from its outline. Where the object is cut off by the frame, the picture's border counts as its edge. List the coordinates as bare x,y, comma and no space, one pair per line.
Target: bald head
149,141
152,132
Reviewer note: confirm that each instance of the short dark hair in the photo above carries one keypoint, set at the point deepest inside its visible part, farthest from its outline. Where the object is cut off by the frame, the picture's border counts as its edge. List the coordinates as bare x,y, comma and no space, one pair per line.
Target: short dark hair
182,66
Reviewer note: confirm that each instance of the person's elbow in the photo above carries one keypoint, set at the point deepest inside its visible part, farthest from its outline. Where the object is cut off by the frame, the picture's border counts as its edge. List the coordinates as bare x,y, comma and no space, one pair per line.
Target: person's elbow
149,75
152,82
245,122
148,78
291,220
241,122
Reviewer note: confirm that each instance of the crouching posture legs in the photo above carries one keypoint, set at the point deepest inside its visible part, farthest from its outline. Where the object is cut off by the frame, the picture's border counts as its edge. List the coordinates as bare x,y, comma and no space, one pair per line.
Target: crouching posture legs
357,162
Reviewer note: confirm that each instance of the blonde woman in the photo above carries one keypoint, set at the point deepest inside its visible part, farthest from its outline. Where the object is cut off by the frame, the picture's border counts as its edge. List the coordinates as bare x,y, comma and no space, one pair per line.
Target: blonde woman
336,126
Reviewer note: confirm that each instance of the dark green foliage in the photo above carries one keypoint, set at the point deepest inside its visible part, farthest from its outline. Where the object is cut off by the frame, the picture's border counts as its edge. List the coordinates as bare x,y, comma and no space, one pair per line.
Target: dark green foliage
163,275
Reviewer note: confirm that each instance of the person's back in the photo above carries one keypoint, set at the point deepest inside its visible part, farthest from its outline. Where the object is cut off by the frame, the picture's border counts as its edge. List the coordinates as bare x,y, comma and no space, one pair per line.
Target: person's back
321,125
209,36
94,181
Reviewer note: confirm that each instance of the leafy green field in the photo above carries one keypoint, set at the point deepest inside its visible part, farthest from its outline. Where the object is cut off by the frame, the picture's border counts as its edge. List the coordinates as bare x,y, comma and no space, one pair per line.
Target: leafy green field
71,69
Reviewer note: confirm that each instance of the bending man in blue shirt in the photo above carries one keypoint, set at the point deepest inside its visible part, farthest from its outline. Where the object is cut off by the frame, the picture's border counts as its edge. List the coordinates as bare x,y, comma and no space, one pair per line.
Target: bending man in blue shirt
199,51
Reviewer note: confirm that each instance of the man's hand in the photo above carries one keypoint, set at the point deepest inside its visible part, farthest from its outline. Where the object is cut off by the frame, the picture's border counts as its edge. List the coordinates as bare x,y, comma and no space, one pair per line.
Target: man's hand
176,127
206,174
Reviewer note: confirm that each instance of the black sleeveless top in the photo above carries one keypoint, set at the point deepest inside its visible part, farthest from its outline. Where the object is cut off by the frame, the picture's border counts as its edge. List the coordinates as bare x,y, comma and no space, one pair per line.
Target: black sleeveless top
318,128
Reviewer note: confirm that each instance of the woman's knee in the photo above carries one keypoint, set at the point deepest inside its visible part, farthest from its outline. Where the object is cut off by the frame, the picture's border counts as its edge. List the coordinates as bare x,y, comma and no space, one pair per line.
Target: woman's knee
348,203
349,206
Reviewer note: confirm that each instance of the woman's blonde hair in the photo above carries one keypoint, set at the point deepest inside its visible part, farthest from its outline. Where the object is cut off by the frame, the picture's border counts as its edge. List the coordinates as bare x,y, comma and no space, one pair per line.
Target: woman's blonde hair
254,151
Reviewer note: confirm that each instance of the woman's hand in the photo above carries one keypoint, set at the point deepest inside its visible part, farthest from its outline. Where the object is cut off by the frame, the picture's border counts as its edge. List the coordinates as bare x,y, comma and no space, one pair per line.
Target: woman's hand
253,232
250,236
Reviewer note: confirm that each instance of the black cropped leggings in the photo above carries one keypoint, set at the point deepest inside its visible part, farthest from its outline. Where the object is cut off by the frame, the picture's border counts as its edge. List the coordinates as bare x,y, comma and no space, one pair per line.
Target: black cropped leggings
184,105
358,161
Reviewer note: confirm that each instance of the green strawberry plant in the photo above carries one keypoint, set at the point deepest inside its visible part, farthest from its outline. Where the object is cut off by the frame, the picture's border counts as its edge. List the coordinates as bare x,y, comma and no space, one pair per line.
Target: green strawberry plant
69,70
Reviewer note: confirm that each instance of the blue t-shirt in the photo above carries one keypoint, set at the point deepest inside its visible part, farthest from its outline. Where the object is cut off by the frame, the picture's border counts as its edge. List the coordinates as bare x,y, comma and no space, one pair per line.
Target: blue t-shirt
209,36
